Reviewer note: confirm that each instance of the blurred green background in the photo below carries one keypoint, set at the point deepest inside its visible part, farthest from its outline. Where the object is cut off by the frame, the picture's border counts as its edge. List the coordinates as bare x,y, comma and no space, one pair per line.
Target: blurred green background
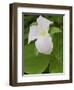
36,64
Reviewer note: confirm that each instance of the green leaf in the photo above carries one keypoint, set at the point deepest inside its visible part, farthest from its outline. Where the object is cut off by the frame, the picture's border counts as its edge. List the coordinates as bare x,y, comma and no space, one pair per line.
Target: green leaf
56,61
54,30
36,51
55,65
34,64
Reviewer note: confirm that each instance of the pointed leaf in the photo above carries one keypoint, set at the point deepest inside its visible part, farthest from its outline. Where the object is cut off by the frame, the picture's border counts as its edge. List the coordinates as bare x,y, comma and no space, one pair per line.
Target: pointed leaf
54,30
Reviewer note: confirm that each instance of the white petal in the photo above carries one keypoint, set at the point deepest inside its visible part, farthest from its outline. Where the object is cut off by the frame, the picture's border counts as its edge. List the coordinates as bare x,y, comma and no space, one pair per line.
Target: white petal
44,45
43,23
32,33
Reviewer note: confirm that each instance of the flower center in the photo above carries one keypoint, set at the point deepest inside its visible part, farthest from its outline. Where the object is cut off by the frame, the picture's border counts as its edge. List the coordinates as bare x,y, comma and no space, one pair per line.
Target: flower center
43,33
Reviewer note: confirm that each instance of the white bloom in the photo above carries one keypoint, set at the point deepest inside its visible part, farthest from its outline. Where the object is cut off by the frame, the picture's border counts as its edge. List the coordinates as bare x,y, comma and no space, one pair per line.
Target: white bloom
40,33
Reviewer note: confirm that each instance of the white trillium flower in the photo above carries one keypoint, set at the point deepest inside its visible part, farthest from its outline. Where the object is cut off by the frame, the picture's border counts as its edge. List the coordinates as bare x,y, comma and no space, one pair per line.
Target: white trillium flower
40,33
